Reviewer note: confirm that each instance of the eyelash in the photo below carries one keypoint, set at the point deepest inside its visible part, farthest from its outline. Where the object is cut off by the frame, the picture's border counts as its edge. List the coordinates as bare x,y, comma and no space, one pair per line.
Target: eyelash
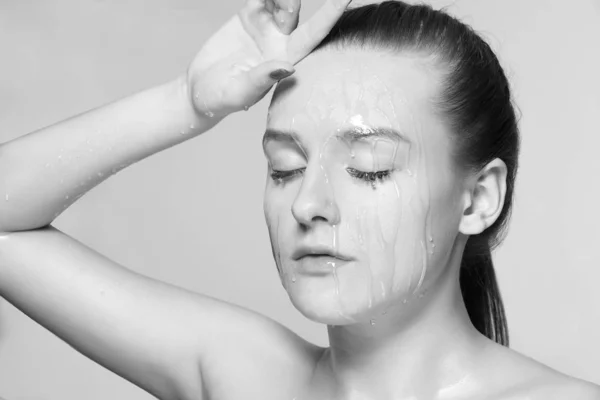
279,176
370,178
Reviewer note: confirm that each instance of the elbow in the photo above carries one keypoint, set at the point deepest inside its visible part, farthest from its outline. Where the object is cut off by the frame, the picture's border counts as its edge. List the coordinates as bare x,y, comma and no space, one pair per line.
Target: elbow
11,221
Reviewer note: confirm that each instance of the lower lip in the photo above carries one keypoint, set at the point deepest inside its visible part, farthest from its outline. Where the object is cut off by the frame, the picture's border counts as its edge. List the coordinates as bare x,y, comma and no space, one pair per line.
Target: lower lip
320,265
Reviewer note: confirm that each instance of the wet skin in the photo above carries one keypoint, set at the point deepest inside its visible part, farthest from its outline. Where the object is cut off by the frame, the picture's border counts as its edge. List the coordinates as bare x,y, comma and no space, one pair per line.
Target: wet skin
360,164
361,174
391,210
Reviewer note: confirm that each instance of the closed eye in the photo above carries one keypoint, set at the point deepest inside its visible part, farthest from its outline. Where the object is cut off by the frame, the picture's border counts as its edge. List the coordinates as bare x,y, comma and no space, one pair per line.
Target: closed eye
370,177
281,176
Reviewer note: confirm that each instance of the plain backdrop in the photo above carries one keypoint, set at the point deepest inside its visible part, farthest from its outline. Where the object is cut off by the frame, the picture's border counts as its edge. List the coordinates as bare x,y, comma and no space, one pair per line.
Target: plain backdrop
192,215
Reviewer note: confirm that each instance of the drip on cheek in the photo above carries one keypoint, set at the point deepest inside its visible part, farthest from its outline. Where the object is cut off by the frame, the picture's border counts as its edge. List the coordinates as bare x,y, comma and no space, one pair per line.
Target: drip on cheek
275,243
421,209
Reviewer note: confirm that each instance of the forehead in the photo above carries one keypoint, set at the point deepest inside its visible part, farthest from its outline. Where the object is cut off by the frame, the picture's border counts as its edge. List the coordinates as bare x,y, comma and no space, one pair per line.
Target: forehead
333,89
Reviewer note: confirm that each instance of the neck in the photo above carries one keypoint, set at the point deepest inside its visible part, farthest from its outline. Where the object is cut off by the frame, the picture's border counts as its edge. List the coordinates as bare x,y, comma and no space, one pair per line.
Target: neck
427,350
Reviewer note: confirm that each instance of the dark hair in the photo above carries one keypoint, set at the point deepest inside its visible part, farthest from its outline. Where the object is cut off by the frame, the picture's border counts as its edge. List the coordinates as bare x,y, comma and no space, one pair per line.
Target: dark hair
475,100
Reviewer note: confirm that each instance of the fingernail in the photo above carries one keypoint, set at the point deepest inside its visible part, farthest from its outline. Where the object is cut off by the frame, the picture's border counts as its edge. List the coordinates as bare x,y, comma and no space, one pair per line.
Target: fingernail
279,74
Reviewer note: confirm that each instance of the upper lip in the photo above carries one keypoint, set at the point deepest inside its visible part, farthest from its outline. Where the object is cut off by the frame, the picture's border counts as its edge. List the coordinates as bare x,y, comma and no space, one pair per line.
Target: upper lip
318,250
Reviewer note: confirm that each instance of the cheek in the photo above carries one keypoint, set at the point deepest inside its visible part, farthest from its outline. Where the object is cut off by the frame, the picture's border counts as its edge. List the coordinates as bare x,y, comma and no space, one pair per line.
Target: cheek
281,225
275,209
445,215
399,253
425,235
396,240
384,230
273,226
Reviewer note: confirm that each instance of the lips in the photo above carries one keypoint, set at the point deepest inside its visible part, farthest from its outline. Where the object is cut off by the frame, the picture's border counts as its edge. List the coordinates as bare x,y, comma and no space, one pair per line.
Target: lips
315,251
319,265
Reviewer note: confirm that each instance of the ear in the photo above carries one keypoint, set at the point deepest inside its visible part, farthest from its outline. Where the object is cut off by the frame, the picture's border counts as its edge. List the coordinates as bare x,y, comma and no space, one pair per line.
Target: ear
484,198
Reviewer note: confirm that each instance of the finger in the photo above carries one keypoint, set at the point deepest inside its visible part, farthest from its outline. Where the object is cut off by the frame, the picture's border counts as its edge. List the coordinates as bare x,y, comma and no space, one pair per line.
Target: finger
310,34
265,75
286,15
287,5
270,6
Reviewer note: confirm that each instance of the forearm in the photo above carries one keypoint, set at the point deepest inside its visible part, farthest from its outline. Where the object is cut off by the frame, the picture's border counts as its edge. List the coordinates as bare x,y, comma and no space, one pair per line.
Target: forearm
44,172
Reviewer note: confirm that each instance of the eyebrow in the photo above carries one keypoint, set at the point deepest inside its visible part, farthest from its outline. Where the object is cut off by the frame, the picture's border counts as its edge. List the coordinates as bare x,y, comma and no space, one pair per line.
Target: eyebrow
353,134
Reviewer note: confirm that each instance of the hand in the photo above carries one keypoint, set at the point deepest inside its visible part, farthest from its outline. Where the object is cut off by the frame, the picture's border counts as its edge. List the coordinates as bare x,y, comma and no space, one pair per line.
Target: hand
240,63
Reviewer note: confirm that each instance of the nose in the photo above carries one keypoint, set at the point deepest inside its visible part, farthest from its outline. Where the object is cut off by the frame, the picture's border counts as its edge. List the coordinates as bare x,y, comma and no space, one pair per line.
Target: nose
316,200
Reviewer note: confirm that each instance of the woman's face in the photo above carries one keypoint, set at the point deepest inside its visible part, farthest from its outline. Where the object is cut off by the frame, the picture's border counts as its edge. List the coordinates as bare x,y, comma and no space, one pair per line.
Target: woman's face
362,200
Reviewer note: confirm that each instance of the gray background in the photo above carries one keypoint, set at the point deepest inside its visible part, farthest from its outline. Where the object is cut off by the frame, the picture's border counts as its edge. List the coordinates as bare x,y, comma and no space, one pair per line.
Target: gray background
192,215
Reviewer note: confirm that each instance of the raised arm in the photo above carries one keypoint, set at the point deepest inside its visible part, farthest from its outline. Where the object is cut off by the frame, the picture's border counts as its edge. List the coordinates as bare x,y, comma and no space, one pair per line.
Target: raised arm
153,334
44,172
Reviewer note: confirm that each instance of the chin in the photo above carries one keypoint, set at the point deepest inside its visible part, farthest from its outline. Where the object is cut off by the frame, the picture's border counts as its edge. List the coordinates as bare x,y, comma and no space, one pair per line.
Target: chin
323,305
327,316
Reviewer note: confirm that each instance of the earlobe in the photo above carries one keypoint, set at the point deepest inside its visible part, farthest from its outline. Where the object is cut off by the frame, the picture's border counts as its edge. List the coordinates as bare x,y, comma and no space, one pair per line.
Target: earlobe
484,199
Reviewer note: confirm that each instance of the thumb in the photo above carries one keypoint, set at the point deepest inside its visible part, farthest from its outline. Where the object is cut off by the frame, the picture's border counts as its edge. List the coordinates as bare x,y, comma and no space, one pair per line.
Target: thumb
265,75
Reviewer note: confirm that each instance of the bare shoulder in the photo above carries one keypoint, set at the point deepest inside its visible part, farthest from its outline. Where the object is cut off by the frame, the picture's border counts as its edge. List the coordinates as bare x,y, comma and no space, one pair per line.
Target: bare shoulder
562,387
527,378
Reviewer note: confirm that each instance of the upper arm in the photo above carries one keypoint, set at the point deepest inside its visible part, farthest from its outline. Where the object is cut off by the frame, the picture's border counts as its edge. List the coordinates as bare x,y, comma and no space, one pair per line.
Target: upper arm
149,332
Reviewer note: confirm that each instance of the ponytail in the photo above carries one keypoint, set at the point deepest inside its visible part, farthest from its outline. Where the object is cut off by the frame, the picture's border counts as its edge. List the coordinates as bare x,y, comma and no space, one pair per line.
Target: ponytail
480,291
